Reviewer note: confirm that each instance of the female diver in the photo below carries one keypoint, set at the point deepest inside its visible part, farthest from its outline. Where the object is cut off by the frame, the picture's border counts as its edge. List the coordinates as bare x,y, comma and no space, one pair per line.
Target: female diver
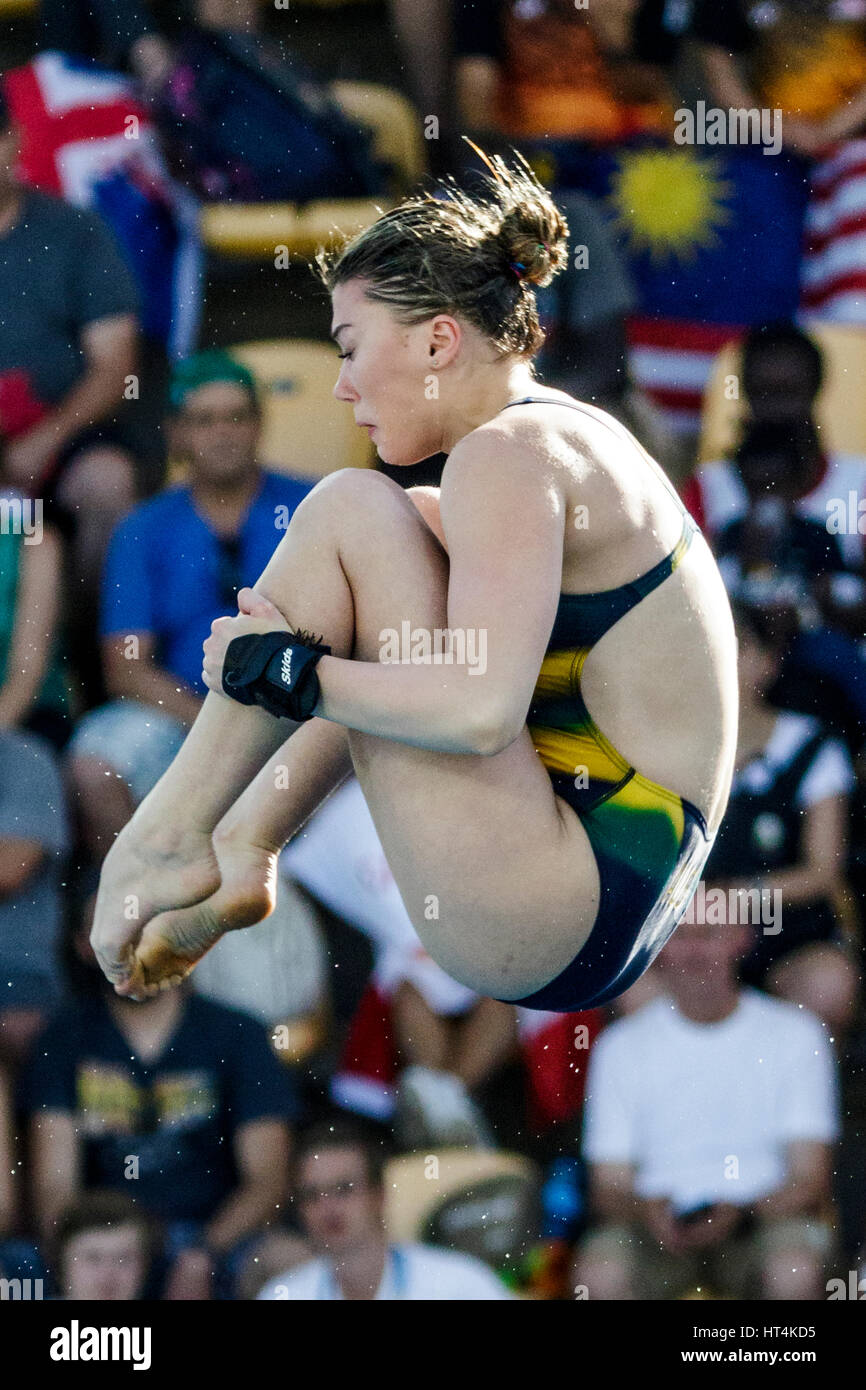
546,811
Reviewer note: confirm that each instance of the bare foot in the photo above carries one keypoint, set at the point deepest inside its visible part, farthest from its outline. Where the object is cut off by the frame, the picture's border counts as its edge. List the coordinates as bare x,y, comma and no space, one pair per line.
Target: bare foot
173,942
142,876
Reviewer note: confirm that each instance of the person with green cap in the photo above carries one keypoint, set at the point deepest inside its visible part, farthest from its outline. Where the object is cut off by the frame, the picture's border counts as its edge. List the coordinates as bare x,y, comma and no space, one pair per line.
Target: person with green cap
173,562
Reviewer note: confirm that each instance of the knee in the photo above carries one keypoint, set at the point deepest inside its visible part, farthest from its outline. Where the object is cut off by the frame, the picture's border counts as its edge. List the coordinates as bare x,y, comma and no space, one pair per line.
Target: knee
426,501
823,980
357,488
356,500
99,479
792,1273
87,773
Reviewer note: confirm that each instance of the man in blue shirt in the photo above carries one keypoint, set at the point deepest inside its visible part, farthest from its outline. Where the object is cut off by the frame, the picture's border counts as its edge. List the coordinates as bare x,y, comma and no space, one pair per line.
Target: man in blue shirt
174,564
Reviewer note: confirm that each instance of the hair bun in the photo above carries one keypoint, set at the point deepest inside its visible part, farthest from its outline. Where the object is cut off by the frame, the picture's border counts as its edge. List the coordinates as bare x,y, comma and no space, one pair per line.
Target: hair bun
534,238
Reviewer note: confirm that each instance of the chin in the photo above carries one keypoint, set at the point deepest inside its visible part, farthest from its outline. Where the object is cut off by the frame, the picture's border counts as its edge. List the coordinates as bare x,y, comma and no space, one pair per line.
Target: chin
403,455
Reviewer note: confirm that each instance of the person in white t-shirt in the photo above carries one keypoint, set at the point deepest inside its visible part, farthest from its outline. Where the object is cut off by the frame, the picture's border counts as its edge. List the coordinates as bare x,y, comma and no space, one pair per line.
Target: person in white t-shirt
340,1198
709,1120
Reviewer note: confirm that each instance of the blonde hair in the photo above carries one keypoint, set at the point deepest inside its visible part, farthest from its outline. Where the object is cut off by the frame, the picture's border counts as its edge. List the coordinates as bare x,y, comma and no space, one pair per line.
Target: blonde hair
476,256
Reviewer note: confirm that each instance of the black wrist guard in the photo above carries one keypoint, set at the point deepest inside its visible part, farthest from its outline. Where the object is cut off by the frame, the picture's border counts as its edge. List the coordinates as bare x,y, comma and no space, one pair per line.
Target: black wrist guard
275,670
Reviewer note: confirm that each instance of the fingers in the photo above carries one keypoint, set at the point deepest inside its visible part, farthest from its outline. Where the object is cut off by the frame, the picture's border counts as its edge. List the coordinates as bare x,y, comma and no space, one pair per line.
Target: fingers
255,605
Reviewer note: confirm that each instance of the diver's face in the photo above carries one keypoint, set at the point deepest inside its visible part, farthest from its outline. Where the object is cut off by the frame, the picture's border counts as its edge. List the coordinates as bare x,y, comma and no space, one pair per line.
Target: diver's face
385,376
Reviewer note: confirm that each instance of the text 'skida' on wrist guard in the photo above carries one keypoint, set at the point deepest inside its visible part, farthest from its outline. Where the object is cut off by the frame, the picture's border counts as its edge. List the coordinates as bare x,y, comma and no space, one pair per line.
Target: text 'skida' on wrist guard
276,671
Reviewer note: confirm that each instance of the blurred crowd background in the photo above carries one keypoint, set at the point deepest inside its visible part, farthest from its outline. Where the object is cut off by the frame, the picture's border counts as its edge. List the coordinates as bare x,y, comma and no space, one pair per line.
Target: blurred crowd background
321,1112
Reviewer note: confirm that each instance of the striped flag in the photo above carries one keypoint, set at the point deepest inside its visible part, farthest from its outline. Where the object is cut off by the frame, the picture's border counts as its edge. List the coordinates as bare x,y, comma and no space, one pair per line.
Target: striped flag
86,138
834,259
671,360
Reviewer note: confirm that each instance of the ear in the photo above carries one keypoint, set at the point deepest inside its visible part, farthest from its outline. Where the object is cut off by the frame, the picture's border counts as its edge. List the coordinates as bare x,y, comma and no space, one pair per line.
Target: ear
445,337
175,436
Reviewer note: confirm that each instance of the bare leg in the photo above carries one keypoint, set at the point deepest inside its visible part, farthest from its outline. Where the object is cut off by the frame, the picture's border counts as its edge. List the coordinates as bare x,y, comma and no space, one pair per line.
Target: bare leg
510,869
486,1039
423,1037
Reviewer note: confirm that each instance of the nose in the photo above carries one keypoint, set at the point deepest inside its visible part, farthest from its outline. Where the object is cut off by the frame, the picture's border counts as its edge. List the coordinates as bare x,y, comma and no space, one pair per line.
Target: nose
343,390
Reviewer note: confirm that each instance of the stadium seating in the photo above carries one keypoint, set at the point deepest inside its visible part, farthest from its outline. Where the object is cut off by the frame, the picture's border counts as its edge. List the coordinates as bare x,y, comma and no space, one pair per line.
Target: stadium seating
255,230
306,431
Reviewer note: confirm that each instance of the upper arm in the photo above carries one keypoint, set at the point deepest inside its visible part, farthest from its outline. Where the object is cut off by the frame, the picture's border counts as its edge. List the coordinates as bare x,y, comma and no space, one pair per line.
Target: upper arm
825,836
503,515
118,666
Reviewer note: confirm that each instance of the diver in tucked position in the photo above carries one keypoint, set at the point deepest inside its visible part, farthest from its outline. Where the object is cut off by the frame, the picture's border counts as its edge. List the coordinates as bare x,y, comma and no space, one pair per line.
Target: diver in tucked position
546,818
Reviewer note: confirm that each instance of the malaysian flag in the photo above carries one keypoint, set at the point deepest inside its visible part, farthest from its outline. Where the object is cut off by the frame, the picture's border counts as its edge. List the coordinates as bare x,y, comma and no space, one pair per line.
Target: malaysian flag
712,240
86,138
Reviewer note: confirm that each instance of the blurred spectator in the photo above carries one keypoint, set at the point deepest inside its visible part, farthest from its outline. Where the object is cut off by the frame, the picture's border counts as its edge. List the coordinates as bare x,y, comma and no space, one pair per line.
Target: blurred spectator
174,564
781,374
278,973
772,538
68,306
176,1101
339,1194
33,688
709,1122
782,461
33,837
230,85
550,71
806,60
119,32
786,831
584,311
104,1245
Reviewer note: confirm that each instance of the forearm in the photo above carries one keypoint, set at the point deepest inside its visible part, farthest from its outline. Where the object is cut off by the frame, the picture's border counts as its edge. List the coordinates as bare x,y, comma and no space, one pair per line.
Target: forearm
848,120
800,1195
291,787
153,686
251,1206
18,695
797,886
445,708
97,394
723,77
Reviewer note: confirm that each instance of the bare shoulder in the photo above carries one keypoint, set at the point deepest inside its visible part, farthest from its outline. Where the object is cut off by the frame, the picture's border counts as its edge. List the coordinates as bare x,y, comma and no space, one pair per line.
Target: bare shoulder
503,470
524,442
